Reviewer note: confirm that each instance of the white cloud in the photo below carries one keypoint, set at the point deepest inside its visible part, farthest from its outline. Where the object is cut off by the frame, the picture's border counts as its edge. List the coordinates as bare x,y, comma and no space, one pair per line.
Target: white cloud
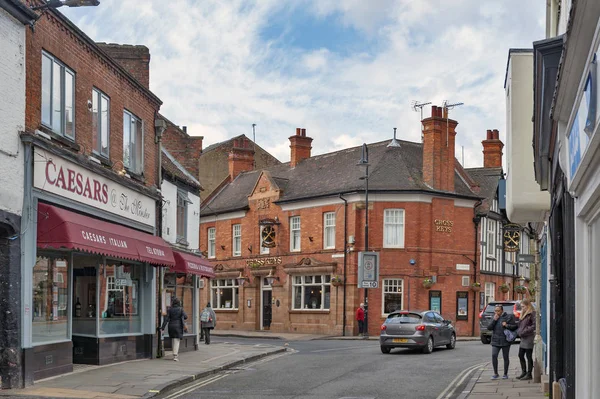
217,75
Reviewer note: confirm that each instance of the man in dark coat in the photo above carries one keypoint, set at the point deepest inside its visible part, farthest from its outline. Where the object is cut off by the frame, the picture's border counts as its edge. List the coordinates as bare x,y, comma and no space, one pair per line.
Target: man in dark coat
499,323
175,318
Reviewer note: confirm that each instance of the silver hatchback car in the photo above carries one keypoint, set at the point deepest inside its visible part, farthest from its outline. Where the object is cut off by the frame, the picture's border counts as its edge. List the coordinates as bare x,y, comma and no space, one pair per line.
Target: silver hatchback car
416,329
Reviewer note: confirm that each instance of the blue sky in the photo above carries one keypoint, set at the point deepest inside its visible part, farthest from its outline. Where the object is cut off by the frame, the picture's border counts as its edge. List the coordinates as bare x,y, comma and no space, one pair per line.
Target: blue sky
347,71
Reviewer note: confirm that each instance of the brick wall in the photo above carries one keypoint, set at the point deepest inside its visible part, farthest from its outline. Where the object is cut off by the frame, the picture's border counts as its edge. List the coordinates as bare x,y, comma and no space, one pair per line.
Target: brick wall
438,150
492,150
135,59
185,148
92,71
241,157
300,146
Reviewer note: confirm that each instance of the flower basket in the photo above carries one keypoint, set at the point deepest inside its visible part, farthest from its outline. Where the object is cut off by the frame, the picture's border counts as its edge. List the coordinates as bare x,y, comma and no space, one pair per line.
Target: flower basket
531,291
504,288
427,283
336,281
520,289
476,287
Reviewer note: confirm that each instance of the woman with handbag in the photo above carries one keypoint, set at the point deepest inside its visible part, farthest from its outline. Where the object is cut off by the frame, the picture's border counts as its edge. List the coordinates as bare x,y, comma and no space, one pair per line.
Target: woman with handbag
527,333
175,318
502,321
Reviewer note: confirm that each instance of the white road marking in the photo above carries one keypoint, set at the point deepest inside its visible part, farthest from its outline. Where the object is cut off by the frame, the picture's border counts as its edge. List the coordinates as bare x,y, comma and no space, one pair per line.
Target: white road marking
452,386
194,387
339,349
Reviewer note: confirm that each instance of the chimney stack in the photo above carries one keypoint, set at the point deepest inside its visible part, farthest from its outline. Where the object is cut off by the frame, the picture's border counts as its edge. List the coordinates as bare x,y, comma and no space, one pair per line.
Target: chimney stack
492,150
241,157
301,146
438,149
135,59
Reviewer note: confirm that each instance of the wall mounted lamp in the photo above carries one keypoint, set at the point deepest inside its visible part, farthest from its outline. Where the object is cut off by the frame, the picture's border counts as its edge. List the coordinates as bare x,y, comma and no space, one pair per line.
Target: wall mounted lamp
310,239
250,248
241,279
223,247
271,277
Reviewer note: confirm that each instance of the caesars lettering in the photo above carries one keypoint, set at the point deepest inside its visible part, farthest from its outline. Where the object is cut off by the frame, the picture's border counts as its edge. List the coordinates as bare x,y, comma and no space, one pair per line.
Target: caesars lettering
76,183
93,237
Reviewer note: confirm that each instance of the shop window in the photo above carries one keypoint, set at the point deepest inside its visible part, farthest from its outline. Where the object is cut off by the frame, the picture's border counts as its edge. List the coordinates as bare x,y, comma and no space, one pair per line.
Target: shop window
58,96
329,230
211,234
435,301
133,143
181,286
462,305
120,298
100,122
311,292
224,294
85,309
393,228
50,299
392,295
295,233
237,240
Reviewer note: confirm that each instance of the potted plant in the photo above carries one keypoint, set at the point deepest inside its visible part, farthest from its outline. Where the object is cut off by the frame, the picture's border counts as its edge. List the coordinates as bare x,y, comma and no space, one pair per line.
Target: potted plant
520,289
336,280
427,282
476,286
504,288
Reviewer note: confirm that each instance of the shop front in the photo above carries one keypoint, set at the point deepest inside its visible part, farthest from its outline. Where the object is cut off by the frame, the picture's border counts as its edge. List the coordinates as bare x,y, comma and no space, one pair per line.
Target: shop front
184,281
88,280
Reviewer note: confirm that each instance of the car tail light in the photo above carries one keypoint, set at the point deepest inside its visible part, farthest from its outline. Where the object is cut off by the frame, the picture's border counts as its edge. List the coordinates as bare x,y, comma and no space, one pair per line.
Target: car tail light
481,314
516,312
383,327
420,327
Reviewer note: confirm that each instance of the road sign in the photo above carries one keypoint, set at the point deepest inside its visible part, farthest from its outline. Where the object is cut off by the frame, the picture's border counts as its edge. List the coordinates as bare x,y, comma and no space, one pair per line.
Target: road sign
370,284
368,269
526,258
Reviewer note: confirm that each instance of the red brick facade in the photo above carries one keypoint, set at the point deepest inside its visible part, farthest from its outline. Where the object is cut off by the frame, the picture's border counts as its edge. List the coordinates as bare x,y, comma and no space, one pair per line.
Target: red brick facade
241,157
185,148
492,150
438,150
300,146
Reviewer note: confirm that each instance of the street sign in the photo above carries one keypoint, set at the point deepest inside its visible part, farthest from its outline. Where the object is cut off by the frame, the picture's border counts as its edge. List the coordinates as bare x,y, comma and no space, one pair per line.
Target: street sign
368,269
526,258
370,284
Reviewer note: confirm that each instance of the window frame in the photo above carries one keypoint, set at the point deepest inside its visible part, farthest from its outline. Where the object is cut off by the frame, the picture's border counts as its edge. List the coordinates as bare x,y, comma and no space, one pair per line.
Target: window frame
236,240
491,246
328,227
390,283
61,127
97,97
325,285
181,198
134,168
211,244
401,227
295,233
490,290
228,283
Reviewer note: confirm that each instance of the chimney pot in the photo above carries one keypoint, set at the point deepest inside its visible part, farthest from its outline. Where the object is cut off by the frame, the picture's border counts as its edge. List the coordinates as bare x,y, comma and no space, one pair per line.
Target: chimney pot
433,111
184,128
490,134
303,132
298,131
496,134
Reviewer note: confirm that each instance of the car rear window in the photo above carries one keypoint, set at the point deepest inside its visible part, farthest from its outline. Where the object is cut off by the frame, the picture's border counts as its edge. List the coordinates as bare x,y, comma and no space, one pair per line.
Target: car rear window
508,308
404,318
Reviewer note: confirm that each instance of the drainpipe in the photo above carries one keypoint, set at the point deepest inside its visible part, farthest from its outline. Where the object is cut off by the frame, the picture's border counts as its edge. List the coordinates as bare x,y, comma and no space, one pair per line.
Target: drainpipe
159,128
345,254
476,221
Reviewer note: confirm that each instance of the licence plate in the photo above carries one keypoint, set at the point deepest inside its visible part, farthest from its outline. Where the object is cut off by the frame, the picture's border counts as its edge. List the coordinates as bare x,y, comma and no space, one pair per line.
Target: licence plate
400,340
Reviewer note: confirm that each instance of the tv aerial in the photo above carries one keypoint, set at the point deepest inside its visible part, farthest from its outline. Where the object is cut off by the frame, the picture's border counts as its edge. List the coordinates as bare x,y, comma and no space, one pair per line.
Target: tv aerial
418,106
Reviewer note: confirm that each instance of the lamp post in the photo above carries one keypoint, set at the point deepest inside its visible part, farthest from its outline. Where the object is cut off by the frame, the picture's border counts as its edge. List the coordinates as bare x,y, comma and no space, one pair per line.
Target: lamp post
364,163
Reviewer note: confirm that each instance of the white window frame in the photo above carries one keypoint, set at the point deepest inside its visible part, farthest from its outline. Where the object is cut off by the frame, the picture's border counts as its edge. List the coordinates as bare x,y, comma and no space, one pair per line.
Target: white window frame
182,202
391,286
329,230
490,290
301,282
211,234
393,228
98,97
466,281
491,239
236,238
217,287
52,94
295,230
131,163
263,250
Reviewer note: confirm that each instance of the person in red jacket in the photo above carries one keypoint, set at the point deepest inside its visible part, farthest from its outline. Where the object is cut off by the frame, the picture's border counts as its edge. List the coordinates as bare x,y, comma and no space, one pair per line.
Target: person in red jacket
360,317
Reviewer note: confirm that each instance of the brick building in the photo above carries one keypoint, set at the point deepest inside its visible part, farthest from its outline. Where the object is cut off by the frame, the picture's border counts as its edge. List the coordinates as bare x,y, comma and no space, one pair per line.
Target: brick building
283,237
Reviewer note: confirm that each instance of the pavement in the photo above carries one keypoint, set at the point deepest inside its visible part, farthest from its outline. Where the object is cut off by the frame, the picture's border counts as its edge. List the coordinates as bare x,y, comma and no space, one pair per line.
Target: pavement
146,378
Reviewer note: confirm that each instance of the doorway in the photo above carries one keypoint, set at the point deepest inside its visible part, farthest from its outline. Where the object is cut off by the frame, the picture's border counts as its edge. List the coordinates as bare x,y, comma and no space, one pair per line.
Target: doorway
266,305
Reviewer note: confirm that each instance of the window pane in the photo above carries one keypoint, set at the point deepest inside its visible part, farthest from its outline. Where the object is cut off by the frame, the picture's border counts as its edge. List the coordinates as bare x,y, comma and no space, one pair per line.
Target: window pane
50,299
298,297
126,139
56,99
46,90
69,104
181,206
211,242
85,311
120,299
95,120
139,146
104,125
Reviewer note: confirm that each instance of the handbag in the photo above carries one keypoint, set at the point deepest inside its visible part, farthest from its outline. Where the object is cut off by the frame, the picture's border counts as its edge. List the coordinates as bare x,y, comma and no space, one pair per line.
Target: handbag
510,335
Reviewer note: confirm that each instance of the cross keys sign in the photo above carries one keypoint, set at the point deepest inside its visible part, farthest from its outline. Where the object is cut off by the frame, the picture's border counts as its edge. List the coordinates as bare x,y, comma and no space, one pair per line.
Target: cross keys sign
511,237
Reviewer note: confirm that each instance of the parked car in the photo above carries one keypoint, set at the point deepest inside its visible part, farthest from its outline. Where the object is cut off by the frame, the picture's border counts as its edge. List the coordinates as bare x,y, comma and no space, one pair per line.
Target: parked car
416,329
485,317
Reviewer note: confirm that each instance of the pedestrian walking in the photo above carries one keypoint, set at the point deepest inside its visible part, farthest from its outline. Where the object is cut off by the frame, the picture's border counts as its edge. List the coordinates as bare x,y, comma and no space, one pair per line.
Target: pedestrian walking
175,319
499,323
526,331
208,321
360,317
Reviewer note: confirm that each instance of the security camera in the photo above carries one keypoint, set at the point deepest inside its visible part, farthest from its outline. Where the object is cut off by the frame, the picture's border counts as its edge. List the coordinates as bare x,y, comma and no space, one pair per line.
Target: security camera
89,105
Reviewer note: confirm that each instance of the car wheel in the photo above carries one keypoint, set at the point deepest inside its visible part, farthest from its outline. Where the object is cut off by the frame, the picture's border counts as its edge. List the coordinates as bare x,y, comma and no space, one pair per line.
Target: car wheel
385,349
429,347
485,339
452,343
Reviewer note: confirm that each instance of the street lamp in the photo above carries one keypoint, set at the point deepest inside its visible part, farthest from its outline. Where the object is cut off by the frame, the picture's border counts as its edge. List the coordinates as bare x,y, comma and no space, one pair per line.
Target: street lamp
68,3
364,163
241,279
271,278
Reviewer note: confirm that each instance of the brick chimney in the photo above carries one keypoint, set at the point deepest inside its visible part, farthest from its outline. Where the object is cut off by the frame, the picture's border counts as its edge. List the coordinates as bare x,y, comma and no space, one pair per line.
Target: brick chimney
492,150
135,59
301,146
438,149
241,157
186,149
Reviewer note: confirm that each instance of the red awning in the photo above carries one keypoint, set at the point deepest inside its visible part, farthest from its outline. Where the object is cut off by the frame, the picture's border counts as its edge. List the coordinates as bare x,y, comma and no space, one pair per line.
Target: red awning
58,228
193,264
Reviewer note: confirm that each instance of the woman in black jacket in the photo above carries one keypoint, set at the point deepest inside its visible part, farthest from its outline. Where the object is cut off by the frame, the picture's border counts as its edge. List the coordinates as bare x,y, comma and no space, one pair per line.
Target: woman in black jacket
500,322
175,318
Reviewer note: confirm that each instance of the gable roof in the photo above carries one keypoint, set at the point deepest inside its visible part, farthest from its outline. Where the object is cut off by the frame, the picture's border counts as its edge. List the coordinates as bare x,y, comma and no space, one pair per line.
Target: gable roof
175,169
488,180
228,144
391,169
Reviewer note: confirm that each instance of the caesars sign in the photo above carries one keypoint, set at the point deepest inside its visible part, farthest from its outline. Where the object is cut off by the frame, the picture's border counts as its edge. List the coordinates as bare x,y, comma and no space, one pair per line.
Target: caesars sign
61,177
